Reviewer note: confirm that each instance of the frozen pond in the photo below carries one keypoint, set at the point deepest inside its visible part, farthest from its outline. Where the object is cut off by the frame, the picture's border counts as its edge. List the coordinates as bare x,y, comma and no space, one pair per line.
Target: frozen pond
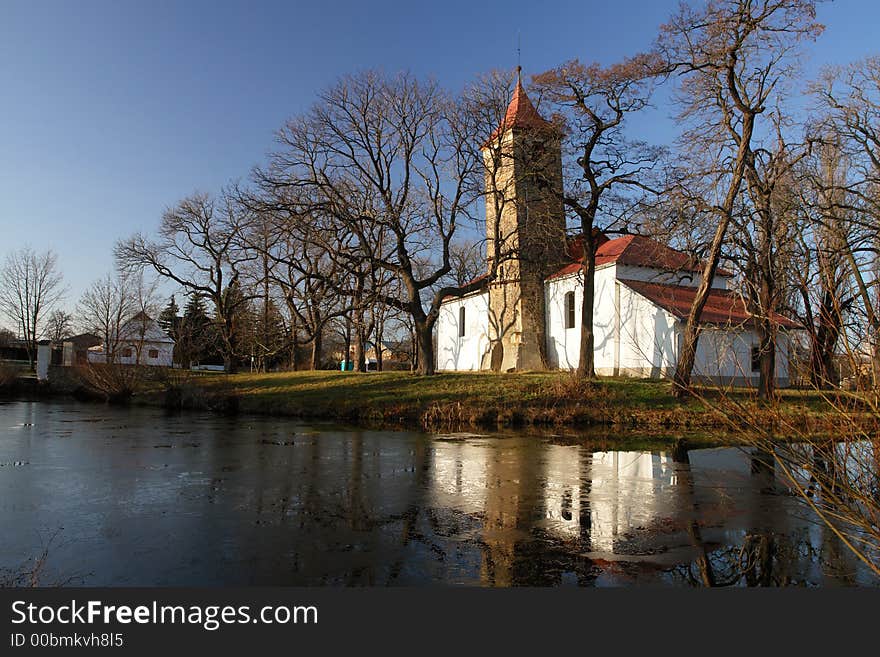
139,497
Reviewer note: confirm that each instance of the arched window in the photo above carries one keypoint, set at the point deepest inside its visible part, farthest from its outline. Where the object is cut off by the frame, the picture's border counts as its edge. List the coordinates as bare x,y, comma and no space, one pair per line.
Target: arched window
461,322
569,310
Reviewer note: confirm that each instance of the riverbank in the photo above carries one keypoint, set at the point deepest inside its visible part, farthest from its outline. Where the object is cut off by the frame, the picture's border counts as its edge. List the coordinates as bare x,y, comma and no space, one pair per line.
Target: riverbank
457,401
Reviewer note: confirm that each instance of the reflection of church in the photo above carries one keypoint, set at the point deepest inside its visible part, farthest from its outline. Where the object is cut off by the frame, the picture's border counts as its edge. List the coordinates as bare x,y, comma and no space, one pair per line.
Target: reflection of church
622,491
566,493
529,317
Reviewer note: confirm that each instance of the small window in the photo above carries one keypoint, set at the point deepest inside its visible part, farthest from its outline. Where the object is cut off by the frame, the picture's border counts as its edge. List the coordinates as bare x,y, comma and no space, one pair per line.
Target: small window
126,353
756,359
461,322
569,310
153,353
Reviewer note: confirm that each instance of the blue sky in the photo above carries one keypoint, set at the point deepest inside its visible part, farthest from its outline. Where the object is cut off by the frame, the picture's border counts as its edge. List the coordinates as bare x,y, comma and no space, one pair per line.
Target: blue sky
112,111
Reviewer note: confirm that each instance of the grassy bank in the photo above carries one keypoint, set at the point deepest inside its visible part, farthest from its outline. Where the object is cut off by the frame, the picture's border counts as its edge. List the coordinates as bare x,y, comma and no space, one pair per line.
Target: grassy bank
455,401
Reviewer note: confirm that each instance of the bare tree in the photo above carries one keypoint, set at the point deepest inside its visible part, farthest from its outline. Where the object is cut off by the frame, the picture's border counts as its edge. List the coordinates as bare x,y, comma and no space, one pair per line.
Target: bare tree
199,248
765,234
594,101
851,98
821,242
394,165
467,261
732,56
30,286
59,325
296,251
105,308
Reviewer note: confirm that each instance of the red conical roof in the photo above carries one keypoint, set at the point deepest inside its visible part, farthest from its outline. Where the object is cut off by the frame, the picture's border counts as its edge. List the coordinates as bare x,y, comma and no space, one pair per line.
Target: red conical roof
520,114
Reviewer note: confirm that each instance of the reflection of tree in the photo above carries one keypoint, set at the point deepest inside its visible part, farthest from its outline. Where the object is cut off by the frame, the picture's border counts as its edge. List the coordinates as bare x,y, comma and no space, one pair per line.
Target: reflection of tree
764,557
410,531
726,566
685,479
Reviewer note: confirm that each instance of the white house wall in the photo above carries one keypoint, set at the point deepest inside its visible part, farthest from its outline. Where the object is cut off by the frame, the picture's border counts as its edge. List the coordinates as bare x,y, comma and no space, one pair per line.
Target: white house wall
563,344
725,355
463,353
648,339
641,343
164,358
663,277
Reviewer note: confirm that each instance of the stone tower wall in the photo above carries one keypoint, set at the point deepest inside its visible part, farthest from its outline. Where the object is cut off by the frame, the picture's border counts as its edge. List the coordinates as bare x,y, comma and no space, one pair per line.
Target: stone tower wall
531,244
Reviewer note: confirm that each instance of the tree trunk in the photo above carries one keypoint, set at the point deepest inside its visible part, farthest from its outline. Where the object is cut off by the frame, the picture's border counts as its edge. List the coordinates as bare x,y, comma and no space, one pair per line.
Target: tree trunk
875,364
685,364
822,344
414,348
360,350
767,361
347,353
316,351
31,353
294,352
228,350
586,362
766,340
426,348
379,336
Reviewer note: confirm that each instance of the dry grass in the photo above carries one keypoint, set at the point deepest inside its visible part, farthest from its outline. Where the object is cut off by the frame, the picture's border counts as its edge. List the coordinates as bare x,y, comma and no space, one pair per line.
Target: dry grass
460,400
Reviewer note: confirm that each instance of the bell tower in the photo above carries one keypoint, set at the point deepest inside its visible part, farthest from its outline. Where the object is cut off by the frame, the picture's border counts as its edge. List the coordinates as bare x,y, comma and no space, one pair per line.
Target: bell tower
525,231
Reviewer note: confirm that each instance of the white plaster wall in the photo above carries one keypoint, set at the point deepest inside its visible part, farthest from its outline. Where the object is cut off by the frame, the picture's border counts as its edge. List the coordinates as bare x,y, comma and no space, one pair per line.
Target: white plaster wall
725,354
650,275
44,359
648,338
564,344
645,344
164,359
463,353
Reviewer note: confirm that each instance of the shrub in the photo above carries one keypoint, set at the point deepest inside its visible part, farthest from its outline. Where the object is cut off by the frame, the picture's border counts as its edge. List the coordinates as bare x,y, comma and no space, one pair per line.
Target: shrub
116,383
8,375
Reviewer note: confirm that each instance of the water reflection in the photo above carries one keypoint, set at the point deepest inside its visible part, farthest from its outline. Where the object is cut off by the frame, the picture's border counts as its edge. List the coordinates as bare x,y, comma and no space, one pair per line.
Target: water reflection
151,499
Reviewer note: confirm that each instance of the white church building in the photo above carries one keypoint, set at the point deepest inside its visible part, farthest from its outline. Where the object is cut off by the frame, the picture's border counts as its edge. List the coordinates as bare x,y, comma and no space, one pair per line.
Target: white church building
528,317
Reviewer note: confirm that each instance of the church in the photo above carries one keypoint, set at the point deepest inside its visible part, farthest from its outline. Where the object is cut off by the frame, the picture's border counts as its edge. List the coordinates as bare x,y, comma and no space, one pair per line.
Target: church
527,316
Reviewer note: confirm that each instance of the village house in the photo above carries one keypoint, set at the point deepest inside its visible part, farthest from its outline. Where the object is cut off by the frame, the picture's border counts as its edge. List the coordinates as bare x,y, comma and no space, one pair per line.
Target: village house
141,341
528,317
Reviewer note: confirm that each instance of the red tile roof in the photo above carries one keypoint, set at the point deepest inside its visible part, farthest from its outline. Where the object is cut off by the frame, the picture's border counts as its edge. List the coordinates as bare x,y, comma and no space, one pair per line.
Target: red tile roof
575,247
482,278
520,114
565,271
644,252
638,251
723,307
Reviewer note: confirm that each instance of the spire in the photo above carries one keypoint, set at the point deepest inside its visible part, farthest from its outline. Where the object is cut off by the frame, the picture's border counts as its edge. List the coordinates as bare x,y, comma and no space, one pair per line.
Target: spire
520,113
